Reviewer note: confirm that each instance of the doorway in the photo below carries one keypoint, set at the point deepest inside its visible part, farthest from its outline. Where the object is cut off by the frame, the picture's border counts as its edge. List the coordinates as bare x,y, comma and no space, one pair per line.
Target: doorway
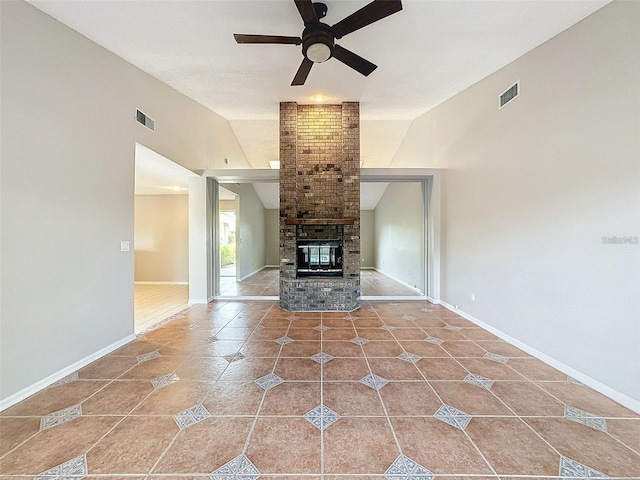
161,238
228,237
227,245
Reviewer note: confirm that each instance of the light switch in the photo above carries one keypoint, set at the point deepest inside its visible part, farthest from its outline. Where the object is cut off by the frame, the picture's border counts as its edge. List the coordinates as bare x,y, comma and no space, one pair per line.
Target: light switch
124,246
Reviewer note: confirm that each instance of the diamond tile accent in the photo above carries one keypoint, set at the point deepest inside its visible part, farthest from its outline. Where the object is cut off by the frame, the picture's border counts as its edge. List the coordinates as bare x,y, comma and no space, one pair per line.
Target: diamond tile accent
75,468
239,467
374,381
164,380
321,328
427,309
68,379
269,381
409,317
409,357
321,417
479,381
434,340
403,468
571,469
291,318
283,340
234,357
60,417
209,340
496,358
321,357
359,340
573,380
388,328
188,328
452,328
453,416
191,416
350,317
585,418
147,356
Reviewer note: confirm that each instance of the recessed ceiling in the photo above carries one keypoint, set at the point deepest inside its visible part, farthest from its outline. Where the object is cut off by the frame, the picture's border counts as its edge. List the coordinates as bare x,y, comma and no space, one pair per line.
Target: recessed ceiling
425,54
157,175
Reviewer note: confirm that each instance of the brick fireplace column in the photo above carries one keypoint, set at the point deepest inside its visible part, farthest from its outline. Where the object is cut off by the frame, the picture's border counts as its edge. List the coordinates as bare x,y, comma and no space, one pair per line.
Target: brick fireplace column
320,200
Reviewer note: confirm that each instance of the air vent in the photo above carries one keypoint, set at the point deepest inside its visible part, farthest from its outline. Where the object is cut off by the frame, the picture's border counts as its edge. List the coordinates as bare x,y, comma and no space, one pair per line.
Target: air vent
510,94
146,121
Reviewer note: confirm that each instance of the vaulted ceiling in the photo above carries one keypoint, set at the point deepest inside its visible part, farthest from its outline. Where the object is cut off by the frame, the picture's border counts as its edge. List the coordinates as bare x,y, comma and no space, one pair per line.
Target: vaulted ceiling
427,53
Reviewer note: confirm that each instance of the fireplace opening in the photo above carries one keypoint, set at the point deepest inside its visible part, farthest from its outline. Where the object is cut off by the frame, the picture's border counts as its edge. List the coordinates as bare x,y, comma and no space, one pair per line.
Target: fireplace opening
319,258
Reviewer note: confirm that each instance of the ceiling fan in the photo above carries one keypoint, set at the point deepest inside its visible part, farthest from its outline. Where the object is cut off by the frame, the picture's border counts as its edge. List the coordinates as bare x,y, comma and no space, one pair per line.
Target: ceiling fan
318,39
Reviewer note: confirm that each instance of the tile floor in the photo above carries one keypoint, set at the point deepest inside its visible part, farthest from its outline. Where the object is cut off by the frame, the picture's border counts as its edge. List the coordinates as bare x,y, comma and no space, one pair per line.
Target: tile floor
153,303
247,390
265,283
376,284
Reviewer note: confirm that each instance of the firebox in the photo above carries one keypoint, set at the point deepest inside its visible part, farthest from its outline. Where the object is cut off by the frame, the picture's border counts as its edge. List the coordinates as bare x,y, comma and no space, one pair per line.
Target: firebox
319,258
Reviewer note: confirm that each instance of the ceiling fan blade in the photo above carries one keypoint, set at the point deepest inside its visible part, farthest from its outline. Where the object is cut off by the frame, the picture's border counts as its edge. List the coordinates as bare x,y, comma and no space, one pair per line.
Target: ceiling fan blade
307,11
365,67
240,38
374,11
303,72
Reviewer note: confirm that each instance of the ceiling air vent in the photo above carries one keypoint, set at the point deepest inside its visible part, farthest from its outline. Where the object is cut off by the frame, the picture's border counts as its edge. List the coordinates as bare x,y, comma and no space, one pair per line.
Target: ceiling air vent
510,94
146,121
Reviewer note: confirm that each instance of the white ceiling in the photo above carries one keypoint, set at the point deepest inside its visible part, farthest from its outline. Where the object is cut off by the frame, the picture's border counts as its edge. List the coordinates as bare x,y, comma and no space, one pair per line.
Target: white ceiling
425,54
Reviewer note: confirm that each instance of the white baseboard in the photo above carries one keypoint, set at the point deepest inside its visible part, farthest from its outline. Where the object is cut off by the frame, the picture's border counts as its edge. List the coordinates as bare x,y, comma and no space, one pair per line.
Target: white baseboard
252,273
241,298
272,266
619,397
59,375
399,281
161,283
387,298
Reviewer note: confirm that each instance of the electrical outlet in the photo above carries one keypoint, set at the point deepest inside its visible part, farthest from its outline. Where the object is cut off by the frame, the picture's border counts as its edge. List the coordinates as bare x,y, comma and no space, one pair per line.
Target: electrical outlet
473,296
408,271
124,246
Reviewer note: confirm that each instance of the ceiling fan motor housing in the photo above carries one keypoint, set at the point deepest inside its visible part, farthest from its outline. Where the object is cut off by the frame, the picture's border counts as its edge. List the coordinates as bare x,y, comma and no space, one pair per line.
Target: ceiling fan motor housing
317,42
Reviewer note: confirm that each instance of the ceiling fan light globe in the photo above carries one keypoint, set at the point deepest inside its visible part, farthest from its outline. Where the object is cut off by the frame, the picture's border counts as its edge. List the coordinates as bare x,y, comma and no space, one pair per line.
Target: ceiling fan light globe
318,52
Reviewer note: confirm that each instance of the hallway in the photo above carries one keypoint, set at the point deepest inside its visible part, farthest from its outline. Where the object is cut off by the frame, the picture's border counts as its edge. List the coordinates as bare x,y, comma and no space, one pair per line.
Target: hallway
246,390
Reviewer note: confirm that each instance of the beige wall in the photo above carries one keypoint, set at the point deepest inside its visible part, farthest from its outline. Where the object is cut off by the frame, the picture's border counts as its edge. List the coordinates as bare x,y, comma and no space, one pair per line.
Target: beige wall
367,238
162,238
272,237
399,234
529,192
67,151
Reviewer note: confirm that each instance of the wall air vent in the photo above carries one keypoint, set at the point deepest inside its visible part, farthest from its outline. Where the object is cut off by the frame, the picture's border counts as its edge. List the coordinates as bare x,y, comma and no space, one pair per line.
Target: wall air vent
510,94
145,120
